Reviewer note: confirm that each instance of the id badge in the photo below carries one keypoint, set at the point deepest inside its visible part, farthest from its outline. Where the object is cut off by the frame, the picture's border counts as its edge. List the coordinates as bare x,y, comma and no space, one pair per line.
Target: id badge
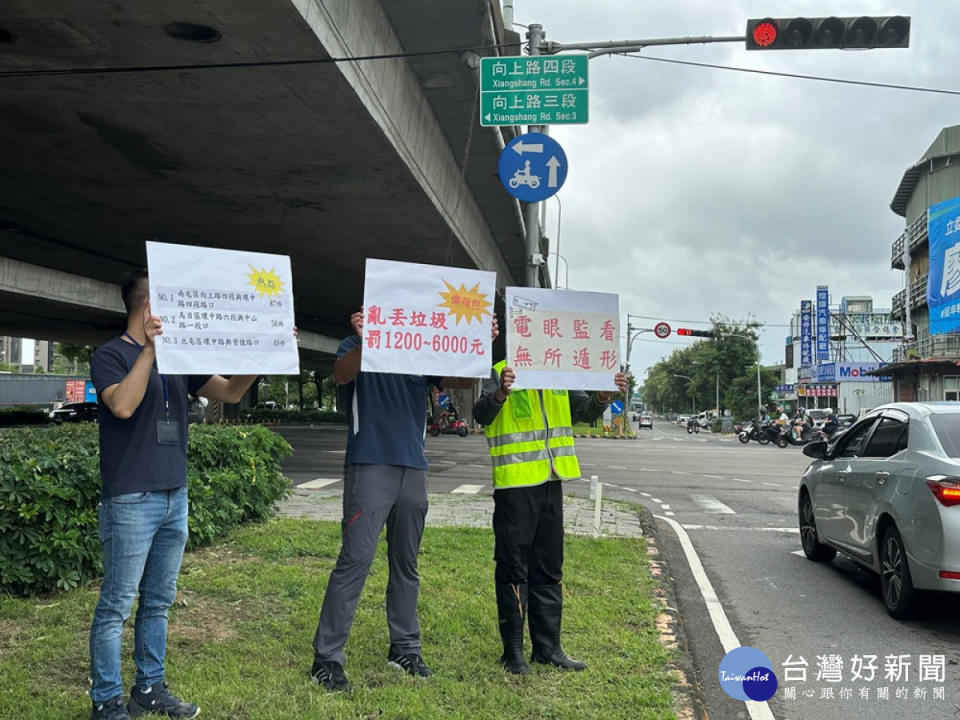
168,432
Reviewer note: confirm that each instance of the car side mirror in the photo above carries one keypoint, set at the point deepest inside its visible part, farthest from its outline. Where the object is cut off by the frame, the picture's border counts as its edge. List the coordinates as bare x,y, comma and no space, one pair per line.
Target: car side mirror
816,450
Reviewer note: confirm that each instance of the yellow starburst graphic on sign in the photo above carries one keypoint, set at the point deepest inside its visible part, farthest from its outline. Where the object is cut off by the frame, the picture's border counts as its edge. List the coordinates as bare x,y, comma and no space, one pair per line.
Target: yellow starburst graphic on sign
470,304
265,282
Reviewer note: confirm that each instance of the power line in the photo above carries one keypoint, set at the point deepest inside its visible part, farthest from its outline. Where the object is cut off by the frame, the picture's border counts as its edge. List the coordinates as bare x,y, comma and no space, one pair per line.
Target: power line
247,64
820,78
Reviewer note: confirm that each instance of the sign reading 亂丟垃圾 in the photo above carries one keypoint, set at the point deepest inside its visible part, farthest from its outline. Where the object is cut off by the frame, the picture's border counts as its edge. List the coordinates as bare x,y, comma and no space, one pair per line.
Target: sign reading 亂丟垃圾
427,319
236,320
563,339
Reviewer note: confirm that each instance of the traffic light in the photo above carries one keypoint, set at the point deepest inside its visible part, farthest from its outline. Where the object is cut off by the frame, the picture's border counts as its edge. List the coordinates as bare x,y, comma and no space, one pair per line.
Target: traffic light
695,333
800,33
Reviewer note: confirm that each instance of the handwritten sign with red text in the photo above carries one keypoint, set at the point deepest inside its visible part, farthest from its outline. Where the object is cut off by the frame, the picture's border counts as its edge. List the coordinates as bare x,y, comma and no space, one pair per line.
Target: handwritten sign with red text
427,320
563,339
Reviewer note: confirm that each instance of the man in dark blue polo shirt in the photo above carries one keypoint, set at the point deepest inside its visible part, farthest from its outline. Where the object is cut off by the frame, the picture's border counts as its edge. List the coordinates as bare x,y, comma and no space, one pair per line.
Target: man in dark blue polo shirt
143,509
385,482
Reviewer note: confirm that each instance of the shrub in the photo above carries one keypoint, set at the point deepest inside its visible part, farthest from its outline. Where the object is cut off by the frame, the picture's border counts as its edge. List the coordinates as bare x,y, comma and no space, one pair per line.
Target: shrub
23,415
50,489
297,417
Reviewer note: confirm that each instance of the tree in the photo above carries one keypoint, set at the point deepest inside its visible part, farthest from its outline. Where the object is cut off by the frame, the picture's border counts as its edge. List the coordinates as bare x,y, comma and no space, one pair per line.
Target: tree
70,359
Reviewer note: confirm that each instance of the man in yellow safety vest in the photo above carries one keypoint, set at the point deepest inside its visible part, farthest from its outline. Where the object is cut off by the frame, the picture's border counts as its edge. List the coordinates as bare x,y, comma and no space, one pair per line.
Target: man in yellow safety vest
530,439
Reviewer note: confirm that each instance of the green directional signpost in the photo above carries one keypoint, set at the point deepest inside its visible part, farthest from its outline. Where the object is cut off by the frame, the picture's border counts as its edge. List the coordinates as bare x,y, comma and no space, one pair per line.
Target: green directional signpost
538,90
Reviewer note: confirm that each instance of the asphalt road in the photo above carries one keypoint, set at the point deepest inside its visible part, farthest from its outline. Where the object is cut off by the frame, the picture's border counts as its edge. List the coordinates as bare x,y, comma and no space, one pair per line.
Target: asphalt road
737,506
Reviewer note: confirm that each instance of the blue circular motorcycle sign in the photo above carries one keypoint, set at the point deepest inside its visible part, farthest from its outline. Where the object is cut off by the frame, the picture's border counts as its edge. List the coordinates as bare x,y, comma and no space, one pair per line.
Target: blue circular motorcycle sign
533,167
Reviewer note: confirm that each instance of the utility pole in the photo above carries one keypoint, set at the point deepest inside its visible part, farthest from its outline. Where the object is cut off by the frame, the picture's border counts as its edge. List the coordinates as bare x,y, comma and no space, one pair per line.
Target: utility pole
535,37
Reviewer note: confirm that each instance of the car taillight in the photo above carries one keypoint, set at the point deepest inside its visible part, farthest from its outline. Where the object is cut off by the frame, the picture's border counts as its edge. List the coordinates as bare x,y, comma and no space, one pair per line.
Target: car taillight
946,489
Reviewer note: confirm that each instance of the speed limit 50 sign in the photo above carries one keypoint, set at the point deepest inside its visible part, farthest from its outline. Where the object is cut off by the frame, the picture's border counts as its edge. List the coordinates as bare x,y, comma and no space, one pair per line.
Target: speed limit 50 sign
661,330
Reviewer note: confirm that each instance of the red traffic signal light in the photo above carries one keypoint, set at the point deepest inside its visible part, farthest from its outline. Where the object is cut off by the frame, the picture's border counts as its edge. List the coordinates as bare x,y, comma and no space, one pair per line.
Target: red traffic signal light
764,33
695,333
800,33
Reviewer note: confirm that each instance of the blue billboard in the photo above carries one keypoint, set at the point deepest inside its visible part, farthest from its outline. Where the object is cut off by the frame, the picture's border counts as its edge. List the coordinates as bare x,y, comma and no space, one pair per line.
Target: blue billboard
806,333
823,323
943,286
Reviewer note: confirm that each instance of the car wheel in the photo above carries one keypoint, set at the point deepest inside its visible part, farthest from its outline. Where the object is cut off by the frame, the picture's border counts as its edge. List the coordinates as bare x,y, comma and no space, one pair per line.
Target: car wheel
899,595
809,537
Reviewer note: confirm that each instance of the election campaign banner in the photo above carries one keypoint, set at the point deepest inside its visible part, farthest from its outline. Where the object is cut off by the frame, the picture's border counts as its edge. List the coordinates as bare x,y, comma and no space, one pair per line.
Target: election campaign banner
223,311
943,285
427,319
563,339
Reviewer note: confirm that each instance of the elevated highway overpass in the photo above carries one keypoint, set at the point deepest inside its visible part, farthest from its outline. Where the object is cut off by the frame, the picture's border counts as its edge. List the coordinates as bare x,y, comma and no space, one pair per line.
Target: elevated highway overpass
329,163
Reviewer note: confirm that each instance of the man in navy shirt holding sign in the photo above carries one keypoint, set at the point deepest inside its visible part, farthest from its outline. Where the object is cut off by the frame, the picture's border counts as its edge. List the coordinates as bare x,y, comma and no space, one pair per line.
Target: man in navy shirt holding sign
143,510
385,483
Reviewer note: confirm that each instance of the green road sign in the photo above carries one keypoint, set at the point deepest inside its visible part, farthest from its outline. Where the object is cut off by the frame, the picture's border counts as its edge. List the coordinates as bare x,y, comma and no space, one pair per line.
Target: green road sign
540,90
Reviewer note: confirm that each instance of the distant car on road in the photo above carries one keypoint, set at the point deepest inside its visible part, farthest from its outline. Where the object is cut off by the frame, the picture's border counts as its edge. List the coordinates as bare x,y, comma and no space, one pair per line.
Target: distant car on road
682,419
886,493
646,421
75,412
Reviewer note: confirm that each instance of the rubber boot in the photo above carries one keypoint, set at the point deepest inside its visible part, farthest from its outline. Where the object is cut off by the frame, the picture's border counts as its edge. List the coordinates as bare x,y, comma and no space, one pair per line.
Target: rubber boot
511,612
546,612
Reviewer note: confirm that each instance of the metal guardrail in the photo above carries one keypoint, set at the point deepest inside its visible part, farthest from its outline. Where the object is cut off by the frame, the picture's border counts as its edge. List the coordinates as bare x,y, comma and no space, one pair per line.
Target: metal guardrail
917,232
935,347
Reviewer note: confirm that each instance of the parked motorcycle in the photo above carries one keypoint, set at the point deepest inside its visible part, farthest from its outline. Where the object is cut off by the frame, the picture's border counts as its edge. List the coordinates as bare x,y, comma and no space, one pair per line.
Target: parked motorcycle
448,424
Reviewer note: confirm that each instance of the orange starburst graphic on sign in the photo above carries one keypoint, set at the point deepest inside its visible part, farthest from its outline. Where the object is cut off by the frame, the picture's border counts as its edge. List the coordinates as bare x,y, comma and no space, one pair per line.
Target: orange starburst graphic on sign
470,304
265,282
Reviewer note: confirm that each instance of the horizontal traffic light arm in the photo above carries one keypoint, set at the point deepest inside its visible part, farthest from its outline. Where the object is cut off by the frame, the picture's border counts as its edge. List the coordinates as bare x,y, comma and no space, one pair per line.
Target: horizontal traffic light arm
826,33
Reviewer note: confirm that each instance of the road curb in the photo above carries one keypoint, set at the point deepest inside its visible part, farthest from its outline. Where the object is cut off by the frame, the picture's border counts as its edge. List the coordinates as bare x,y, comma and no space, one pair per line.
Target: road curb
688,699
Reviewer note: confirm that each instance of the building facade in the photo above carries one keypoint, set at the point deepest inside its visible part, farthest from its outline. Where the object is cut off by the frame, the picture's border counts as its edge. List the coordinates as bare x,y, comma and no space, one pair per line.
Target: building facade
830,351
926,366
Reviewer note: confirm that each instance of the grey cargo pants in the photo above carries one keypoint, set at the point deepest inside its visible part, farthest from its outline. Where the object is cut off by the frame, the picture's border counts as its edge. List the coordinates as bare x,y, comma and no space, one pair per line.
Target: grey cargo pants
374,495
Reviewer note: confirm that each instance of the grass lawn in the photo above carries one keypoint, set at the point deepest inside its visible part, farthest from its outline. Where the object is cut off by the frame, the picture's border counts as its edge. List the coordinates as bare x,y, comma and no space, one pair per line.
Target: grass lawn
240,634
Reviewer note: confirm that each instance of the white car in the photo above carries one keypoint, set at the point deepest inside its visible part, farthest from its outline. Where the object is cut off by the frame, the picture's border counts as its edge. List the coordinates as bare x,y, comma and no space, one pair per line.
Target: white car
646,421
682,419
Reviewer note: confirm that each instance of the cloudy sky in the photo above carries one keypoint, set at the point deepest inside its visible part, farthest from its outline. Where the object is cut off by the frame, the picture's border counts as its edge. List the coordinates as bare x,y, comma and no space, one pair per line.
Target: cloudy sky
695,191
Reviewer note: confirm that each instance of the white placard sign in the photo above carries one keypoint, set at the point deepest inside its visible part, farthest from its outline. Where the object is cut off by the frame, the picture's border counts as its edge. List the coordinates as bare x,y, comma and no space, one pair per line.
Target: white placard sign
223,311
563,339
427,319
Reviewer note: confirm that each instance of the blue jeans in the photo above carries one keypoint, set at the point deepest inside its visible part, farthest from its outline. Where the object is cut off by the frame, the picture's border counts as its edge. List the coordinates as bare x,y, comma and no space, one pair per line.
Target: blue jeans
143,536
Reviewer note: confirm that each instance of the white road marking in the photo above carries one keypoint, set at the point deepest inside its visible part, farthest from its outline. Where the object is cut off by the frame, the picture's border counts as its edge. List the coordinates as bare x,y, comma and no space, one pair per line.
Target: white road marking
797,552
319,483
657,500
648,470
728,638
715,477
679,472
631,489
617,467
665,507
467,489
743,529
645,494
774,484
742,480
670,514
712,505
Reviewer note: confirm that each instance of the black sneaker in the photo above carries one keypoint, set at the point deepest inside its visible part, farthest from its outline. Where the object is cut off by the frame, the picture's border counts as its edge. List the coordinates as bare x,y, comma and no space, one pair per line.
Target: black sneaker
158,700
329,673
411,664
112,709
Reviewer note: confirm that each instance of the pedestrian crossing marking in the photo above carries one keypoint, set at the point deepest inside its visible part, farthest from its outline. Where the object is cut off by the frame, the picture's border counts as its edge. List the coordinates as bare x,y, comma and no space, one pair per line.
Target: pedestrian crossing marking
467,489
319,483
712,505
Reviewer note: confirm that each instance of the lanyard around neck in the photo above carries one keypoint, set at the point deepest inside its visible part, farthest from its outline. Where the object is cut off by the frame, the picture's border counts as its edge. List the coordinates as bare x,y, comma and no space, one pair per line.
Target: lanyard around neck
163,378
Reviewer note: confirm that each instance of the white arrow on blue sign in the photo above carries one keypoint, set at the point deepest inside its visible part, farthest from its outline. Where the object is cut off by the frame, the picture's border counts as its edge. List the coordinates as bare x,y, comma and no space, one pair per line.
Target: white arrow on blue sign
533,167
616,407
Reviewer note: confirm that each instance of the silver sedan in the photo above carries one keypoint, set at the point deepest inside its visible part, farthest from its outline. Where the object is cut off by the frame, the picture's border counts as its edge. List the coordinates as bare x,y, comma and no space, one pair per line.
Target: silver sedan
886,493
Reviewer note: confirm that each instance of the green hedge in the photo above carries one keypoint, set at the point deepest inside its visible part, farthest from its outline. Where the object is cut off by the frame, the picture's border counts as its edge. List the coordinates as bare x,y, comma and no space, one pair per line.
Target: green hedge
50,489
297,417
23,415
